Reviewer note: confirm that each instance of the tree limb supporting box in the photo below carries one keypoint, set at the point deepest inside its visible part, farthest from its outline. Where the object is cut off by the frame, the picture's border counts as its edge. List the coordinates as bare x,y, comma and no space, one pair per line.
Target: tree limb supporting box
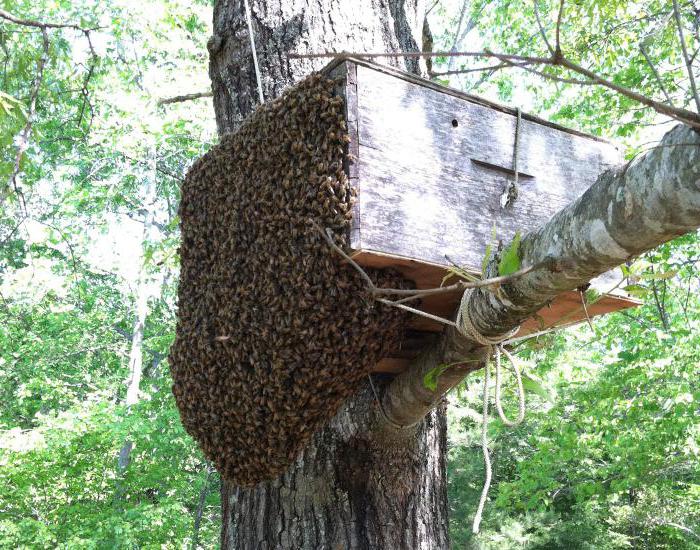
430,165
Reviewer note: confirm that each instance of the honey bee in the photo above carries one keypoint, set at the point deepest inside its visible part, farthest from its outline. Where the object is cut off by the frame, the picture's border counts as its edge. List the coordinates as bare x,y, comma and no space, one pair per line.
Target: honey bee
274,330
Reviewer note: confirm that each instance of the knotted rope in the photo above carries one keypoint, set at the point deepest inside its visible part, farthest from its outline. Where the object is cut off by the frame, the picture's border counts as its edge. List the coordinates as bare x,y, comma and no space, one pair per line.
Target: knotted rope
510,193
494,345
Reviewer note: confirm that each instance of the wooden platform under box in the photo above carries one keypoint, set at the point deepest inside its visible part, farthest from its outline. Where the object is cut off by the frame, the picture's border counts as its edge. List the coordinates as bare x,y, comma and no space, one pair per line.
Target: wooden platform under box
430,166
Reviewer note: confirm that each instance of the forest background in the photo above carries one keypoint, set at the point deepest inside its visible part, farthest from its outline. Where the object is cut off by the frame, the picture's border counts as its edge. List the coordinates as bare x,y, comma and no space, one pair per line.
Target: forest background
92,155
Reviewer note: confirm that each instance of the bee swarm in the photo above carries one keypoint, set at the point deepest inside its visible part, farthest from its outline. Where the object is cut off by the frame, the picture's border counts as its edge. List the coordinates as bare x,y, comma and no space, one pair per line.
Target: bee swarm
274,331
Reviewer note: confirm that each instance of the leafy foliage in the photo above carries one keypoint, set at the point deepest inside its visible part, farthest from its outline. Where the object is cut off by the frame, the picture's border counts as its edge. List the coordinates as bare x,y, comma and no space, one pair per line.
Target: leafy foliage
72,245
614,461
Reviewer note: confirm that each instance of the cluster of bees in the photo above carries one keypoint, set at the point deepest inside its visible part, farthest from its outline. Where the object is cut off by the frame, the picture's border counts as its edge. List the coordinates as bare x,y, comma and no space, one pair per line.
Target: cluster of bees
274,330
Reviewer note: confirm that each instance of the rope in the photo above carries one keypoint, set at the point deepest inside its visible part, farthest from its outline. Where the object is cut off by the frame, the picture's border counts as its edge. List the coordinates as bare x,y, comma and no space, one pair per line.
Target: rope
494,345
382,411
515,146
255,54
521,392
510,193
484,450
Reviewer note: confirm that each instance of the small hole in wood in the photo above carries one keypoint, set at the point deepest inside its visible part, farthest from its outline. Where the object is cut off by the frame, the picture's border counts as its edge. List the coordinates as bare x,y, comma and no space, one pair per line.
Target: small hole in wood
455,123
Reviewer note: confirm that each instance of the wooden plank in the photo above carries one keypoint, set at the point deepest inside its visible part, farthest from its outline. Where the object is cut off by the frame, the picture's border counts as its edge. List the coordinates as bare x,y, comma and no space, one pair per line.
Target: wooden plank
430,165
432,189
345,73
566,310
342,59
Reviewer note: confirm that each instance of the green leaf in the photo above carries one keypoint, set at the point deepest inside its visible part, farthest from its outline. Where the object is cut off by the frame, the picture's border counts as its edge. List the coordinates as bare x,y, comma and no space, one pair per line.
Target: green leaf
591,296
660,276
534,385
510,260
430,380
637,291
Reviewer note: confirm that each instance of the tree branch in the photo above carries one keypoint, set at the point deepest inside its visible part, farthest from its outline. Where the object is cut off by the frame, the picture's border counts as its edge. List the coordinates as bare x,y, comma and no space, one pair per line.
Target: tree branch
643,49
185,97
474,70
625,213
541,28
684,49
682,115
43,25
411,294
557,47
23,138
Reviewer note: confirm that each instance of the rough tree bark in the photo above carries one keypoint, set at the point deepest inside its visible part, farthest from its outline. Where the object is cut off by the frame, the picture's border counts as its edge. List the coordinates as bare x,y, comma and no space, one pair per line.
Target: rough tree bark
354,486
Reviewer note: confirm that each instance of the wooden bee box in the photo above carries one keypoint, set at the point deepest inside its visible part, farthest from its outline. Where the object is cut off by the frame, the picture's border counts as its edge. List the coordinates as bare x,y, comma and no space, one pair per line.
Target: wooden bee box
430,165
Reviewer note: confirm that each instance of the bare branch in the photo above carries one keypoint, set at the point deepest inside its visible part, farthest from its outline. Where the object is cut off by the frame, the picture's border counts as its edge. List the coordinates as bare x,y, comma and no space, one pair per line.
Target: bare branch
682,115
557,47
455,41
25,133
689,67
539,24
526,67
643,49
431,8
185,97
371,55
43,25
547,263
474,70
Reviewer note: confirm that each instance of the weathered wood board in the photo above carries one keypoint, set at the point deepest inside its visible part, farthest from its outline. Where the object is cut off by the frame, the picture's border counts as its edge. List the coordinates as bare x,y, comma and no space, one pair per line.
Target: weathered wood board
430,166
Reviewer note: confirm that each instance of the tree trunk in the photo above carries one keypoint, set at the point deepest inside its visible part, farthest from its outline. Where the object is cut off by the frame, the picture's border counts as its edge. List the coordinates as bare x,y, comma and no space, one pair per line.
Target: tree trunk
355,486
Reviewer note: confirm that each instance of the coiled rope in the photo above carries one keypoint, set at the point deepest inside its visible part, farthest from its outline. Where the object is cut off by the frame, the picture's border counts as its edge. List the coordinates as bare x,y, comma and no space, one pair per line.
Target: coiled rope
494,345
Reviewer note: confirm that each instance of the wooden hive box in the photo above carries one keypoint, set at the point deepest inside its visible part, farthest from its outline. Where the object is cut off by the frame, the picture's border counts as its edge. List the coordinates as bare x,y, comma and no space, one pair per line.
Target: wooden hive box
430,166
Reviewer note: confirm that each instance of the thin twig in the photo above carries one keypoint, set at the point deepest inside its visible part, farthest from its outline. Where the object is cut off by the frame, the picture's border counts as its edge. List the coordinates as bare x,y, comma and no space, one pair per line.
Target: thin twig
23,139
682,115
585,311
185,97
456,40
539,24
465,71
370,55
70,251
14,230
656,73
413,293
548,76
689,67
557,47
327,235
431,8
43,25
417,312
